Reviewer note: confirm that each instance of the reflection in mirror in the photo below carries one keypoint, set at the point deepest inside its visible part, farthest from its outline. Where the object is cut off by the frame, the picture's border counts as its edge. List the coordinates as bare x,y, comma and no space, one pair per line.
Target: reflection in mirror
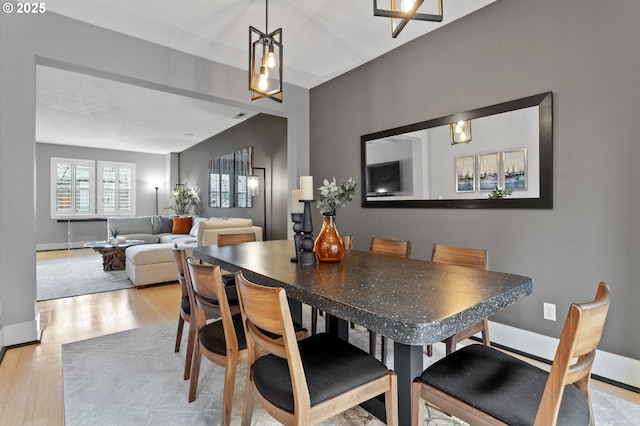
228,179
457,161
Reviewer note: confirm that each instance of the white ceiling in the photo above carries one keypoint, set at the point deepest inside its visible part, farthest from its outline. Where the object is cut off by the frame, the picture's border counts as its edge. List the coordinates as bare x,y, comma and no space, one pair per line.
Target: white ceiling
321,39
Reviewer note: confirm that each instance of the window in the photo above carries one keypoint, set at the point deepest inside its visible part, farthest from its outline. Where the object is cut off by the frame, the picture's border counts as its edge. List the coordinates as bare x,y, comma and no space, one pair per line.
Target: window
116,188
72,183
76,188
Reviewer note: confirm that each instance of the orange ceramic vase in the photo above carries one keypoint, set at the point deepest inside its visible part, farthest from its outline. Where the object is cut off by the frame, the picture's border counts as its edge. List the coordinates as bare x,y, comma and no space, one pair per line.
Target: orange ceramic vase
329,246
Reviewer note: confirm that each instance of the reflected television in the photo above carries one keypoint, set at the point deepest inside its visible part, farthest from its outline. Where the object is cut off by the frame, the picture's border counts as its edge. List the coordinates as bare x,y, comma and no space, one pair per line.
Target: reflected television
383,178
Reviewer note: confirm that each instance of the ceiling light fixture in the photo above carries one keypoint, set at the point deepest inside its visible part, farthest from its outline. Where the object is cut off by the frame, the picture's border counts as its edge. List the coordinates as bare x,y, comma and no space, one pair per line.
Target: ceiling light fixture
402,11
265,79
460,132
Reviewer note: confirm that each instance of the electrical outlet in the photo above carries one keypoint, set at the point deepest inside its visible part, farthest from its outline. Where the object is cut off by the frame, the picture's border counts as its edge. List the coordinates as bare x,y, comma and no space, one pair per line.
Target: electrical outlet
549,311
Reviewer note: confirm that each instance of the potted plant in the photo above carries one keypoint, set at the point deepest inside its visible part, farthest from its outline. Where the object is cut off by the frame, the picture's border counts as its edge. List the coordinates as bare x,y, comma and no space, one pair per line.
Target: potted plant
184,198
114,237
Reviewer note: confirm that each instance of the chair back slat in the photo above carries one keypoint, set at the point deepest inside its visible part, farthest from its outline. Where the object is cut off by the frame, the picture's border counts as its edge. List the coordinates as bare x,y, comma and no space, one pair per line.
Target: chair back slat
462,256
579,339
263,311
229,239
179,256
200,277
395,248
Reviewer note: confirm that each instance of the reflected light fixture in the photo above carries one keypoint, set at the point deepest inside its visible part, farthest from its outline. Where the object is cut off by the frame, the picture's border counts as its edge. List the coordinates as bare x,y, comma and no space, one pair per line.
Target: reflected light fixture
265,62
253,184
402,11
460,132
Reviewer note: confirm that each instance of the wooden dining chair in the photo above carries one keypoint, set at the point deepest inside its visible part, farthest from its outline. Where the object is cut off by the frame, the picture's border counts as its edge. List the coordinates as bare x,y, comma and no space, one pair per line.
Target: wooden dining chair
472,258
348,244
222,341
228,239
228,278
309,381
185,307
396,248
186,301
482,385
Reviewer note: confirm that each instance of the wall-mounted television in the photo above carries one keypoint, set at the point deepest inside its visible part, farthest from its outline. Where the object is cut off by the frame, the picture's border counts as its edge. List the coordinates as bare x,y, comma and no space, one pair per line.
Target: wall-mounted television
383,178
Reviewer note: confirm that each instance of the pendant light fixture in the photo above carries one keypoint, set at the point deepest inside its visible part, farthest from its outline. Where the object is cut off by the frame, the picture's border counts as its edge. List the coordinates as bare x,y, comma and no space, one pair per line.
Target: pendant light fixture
402,11
265,62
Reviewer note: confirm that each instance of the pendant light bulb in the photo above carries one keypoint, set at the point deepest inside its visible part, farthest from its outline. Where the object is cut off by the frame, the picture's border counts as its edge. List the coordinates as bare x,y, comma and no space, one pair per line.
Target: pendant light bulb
271,57
263,81
407,5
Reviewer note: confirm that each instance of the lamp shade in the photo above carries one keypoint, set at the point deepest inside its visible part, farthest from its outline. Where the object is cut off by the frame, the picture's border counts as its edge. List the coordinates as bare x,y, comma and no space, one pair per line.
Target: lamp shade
253,184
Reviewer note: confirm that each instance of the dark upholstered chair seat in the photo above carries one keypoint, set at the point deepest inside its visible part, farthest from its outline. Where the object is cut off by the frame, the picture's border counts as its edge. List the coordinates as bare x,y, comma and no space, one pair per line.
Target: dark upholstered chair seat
331,365
502,386
212,335
232,295
185,305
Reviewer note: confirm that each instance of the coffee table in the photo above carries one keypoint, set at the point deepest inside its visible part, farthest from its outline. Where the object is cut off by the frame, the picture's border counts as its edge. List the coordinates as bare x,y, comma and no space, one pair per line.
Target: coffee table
113,258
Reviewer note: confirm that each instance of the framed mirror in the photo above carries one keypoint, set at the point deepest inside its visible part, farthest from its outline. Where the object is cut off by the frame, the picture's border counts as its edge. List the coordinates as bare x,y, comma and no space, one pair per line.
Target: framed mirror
465,160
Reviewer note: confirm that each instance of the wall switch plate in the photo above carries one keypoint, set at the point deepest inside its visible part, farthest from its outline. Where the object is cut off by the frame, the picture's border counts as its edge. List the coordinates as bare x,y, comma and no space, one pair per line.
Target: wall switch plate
549,311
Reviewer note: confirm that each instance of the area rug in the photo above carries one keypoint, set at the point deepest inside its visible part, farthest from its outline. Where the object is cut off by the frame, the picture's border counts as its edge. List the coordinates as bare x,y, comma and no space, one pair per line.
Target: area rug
76,275
134,378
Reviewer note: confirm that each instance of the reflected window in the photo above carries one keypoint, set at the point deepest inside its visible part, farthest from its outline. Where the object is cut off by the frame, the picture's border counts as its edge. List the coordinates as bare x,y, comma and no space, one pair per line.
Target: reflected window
228,179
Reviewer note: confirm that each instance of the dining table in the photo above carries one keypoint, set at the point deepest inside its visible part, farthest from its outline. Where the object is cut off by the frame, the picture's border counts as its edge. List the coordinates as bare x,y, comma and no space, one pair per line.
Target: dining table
409,301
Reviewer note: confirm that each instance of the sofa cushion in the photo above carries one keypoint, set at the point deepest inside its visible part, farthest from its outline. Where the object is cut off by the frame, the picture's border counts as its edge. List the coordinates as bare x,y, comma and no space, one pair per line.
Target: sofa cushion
131,225
181,225
177,238
150,253
147,238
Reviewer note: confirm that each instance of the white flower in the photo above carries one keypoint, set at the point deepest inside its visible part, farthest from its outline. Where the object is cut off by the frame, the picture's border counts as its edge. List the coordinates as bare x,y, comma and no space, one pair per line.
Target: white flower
333,196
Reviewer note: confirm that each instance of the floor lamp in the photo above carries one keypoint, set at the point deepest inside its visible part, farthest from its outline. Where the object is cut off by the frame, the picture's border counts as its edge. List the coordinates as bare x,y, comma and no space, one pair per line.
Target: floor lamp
156,211
254,188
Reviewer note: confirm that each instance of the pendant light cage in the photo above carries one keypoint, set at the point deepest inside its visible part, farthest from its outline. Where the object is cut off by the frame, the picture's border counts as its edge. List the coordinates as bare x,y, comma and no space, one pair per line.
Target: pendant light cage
401,14
265,63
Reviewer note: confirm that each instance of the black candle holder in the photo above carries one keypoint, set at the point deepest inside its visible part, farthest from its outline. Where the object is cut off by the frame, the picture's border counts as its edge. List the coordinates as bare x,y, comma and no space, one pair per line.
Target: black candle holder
306,256
297,237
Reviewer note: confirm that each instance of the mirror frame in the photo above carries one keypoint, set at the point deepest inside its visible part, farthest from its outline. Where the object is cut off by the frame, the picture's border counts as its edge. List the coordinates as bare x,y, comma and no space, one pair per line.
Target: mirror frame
545,144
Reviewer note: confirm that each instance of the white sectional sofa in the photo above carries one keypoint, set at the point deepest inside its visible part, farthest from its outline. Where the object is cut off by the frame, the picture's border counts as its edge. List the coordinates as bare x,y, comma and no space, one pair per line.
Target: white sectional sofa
152,263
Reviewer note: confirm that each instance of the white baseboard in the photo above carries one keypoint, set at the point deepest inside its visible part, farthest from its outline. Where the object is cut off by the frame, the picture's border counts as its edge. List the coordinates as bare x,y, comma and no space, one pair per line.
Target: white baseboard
24,332
610,366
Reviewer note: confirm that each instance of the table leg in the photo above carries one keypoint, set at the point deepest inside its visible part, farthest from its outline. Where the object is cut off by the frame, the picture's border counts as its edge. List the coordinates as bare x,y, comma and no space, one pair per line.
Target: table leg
338,327
295,307
407,361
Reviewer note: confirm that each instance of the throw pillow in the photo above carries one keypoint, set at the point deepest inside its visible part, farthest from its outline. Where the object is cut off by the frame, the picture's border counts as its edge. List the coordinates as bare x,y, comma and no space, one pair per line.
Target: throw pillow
195,225
181,225
166,225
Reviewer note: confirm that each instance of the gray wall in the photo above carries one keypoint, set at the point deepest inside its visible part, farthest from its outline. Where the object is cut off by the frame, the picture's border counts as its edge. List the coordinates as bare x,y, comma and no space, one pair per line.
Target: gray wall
587,53
267,135
51,234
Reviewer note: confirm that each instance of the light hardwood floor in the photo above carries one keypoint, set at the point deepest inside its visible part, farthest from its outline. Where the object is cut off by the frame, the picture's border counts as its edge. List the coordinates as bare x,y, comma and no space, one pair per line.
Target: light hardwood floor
31,376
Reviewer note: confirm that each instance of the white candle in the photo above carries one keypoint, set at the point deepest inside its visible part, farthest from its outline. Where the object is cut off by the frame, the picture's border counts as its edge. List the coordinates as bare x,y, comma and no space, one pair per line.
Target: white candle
306,188
296,205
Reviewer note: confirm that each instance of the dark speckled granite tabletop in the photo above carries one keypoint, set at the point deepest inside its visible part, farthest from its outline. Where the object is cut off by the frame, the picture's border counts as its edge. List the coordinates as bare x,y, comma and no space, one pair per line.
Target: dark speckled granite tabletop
414,302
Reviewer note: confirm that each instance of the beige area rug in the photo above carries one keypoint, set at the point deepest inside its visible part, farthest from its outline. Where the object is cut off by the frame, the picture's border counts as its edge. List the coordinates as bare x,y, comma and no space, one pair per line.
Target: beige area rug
135,378
75,276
